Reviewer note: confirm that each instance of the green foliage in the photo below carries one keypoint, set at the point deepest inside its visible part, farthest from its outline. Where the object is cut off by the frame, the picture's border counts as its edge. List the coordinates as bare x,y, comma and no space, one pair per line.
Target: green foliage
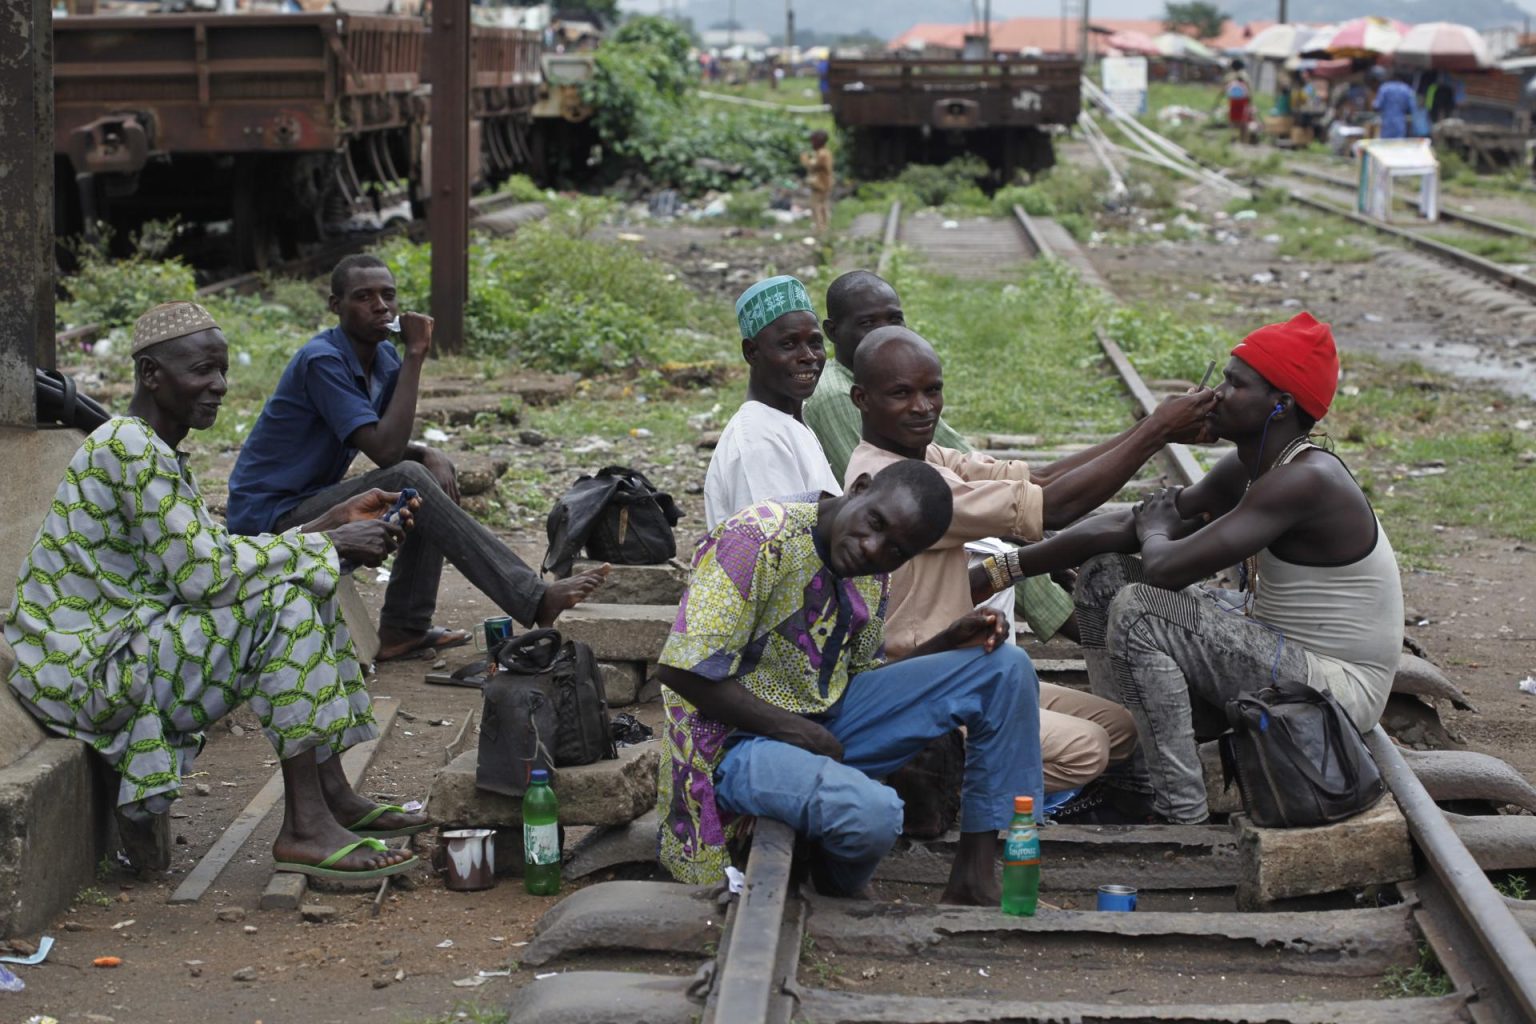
1515,886
747,207
1166,345
555,299
522,188
93,897
1425,978
1309,236
1204,18
647,113
939,184
114,292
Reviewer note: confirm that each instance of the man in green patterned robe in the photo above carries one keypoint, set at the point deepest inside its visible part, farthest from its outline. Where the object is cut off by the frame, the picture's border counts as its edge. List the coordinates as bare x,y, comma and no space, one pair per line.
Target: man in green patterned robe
139,620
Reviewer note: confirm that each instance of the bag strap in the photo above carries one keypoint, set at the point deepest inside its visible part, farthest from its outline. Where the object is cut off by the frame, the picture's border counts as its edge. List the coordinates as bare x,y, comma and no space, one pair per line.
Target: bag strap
531,652
1333,742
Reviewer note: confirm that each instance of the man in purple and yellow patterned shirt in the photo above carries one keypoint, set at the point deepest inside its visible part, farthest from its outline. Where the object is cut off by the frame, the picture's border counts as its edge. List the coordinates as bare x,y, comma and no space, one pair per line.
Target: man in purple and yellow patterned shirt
777,703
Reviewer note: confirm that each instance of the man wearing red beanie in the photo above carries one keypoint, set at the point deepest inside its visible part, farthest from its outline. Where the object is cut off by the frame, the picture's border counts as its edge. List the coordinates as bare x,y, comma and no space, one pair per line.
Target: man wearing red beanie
1321,601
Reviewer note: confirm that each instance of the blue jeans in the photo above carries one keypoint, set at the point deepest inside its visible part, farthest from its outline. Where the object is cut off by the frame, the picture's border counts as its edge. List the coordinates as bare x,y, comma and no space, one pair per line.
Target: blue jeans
884,718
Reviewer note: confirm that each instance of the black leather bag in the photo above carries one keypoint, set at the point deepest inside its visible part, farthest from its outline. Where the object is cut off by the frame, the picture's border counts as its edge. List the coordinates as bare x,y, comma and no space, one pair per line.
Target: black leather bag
617,515
1297,758
545,708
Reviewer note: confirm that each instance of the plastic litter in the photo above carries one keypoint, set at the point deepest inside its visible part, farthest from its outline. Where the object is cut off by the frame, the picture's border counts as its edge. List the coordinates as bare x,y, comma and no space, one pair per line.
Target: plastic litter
107,961
445,944
9,982
435,435
627,730
735,880
471,982
44,944
1528,685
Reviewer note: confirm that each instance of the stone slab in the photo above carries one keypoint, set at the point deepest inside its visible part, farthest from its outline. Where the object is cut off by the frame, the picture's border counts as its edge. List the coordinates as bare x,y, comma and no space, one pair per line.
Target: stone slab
604,997
660,917
1282,863
603,848
621,681
620,632
464,410
478,473
54,823
605,793
20,733
638,584
1498,842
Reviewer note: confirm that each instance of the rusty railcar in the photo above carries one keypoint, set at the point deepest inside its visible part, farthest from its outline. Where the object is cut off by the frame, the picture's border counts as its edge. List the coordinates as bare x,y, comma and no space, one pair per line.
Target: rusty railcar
898,111
290,127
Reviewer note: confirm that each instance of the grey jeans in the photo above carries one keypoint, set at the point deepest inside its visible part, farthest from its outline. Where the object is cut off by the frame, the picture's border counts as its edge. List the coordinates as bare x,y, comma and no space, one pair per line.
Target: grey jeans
443,530
1174,659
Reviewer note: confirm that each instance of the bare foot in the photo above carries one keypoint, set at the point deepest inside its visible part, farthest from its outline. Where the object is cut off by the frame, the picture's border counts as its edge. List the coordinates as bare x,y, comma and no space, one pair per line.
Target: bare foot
989,894
973,878
315,846
569,592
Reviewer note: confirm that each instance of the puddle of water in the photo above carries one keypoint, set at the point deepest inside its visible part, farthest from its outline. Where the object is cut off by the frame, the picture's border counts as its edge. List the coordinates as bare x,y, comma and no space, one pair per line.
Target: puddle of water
1467,362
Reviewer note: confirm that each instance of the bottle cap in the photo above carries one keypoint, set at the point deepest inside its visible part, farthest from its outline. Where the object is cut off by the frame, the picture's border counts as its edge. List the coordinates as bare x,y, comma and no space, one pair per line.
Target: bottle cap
539,775
1023,805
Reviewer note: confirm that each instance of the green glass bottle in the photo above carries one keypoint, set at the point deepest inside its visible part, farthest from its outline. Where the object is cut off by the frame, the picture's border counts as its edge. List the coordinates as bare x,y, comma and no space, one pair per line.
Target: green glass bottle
1021,860
541,836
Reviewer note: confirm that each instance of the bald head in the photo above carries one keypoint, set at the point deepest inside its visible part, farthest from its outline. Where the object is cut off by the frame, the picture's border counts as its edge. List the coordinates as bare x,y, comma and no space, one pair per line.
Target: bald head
898,388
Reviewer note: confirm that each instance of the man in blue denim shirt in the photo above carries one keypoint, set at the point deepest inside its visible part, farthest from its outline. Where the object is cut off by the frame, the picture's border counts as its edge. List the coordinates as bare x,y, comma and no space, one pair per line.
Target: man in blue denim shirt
346,391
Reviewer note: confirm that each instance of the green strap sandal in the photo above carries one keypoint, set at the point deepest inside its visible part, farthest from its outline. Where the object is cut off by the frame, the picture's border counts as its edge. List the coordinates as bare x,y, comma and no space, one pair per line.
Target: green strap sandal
360,826
325,870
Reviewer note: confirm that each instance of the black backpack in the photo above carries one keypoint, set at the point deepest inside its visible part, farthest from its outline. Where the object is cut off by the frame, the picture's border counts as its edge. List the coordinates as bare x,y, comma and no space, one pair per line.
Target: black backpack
617,516
1297,758
545,708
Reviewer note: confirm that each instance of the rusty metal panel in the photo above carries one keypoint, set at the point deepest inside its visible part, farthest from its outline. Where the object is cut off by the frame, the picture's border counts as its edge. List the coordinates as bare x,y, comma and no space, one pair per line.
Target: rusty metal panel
954,94
26,207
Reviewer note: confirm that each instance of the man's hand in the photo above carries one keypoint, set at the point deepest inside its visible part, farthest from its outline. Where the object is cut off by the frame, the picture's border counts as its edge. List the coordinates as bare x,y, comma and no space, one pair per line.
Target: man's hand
812,736
1159,514
373,505
416,335
441,468
366,542
986,627
1182,418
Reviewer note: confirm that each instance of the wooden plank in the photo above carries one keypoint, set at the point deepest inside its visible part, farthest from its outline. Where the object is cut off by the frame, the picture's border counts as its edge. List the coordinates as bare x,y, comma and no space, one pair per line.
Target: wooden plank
219,855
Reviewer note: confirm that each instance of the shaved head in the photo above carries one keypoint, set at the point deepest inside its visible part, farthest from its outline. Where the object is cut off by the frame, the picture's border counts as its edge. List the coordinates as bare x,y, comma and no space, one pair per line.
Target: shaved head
882,350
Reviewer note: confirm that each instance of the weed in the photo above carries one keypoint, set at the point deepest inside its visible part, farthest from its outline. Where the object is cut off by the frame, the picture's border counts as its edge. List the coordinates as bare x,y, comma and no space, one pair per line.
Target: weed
92,896
1308,236
522,188
113,292
1498,248
747,207
1426,978
1515,886
465,1013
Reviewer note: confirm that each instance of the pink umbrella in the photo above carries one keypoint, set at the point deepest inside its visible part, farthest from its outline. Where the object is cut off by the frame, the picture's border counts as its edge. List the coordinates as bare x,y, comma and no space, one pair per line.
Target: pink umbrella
1363,37
1131,41
1444,46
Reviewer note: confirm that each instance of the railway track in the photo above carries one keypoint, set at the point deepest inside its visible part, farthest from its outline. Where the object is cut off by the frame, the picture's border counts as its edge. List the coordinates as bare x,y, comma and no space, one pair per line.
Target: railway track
1191,952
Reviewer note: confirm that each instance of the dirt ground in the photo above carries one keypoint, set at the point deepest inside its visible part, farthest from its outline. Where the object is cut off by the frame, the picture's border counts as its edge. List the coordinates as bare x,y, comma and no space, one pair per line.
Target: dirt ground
421,956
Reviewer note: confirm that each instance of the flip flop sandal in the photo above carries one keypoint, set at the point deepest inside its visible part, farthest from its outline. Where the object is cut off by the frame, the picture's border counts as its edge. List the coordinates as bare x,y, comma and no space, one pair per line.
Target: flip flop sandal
436,639
325,870
473,675
360,827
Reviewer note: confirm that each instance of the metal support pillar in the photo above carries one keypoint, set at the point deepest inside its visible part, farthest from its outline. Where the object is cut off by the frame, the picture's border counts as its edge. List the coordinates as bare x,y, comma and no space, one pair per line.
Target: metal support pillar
448,211
1082,38
26,205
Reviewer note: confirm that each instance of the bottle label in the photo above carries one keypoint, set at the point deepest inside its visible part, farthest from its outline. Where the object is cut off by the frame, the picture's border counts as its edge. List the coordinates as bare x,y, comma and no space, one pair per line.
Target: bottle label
541,844
1022,848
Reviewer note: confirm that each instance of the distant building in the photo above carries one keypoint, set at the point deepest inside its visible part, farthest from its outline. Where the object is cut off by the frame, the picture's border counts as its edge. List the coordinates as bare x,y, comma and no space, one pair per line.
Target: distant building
1054,35
720,38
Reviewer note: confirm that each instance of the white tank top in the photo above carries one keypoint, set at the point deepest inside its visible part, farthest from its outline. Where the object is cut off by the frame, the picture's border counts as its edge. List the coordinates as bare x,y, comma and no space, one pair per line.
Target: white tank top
1348,617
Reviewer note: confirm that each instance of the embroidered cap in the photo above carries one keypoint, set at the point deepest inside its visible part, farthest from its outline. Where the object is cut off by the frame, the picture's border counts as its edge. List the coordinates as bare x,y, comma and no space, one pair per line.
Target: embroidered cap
169,320
766,301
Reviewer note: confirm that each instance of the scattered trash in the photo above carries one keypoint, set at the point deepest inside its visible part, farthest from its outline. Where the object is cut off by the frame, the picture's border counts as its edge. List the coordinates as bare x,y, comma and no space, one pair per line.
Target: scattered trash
630,236
735,880
550,974
40,1018
9,982
628,730
504,973
125,924
383,576
472,982
1272,239
524,943
983,972
639,432
107,961
1371,318
1528,685
808,240
591,444
950,225
1246,215
434,435
445,944
1262,277
44,944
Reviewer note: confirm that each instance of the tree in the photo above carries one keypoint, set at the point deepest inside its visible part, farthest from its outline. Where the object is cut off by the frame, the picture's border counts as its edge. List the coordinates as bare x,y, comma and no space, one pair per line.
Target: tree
1204,18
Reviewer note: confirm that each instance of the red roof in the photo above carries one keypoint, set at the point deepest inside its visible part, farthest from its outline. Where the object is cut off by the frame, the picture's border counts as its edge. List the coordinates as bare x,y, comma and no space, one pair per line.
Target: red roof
1056,35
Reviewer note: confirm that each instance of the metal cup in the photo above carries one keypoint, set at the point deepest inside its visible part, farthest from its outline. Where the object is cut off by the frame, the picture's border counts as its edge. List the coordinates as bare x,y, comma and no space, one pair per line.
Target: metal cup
1118,898
496,630
471,859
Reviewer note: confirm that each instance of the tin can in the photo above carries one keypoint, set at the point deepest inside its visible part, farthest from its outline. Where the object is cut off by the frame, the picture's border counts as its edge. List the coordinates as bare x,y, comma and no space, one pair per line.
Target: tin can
496,630
1119,898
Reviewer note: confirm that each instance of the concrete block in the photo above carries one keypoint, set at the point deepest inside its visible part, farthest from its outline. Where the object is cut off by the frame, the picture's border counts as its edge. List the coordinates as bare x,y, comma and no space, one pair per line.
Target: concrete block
600,997
639,584
609,847
285,891
620,632
478,473
20,733
53,827
32,464
1281,863
360,619
605,793
1221,799
659,917
621,681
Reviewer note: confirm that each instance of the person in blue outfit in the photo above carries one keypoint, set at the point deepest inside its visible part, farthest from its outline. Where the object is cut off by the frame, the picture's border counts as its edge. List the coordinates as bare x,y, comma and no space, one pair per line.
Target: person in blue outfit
1395,103
779,701
348,390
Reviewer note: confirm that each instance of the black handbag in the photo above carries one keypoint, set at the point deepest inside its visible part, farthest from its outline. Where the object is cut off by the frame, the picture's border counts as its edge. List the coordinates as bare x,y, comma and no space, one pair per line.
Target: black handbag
545,708
617,516
1297,758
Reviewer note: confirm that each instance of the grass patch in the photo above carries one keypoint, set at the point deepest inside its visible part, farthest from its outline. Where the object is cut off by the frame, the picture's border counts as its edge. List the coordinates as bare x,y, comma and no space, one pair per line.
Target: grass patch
1306,235
465,1013
1425,978
1498,248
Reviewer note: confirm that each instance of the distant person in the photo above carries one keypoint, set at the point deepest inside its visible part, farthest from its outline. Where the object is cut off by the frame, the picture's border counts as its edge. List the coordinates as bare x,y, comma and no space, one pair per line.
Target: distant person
347,390
820,176
823,79
1239,93
766,450
1395,104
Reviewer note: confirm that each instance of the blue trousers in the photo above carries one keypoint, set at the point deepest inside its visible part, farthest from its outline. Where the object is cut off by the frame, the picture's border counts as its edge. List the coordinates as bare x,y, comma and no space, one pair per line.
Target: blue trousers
884,718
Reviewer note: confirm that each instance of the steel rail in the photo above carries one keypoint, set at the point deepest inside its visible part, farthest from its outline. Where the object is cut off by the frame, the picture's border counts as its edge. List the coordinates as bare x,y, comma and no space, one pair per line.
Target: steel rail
1482,267
888,238
1449,213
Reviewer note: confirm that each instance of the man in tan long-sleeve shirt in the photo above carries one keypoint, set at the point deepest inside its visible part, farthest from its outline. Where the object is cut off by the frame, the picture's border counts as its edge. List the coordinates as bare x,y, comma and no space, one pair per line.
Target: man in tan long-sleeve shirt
898,389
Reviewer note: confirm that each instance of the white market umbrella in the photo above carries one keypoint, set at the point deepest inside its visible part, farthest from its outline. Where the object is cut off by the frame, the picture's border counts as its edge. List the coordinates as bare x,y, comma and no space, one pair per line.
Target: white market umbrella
1176,44
1278,42
1444,46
